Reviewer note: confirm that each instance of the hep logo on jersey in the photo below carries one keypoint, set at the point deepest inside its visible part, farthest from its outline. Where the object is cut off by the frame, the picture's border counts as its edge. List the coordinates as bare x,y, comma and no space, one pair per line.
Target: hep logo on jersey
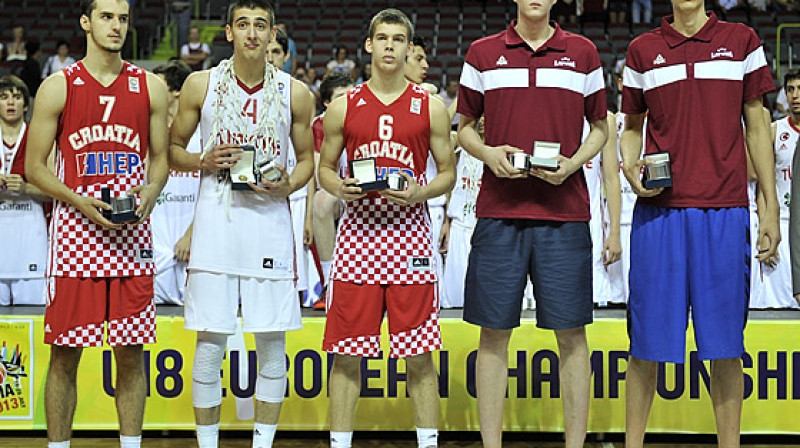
107,163
784,136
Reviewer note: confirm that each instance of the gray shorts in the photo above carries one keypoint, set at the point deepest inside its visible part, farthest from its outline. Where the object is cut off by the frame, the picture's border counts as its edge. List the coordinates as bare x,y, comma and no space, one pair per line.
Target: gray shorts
556,255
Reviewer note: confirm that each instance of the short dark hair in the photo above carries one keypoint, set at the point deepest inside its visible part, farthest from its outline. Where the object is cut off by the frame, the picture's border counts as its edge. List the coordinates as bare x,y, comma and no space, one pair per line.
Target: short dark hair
282,39
11,83
791,75
62,42
251,4
331,81
87,6
421,42
393,17
31,47
175,72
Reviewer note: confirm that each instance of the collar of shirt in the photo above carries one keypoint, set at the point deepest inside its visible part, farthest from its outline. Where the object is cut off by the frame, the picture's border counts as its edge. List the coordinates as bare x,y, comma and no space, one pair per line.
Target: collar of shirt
674,38
556,42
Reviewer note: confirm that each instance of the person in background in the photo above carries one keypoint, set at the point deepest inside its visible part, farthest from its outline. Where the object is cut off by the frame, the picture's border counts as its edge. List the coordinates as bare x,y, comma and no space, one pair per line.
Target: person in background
59,60
195,53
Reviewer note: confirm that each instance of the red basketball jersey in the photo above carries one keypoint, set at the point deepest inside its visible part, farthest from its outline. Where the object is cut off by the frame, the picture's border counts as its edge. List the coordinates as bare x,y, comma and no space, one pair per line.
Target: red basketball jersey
101,142
380,242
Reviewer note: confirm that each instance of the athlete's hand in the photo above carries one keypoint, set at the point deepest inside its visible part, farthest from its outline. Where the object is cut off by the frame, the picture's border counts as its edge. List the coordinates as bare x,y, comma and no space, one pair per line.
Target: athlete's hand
15,183
221,157
308,233
349,190
565,169
148,194
769,235
634,175
612,250
2,182
89,207
496,158
182,247
444,236
410,196
281,188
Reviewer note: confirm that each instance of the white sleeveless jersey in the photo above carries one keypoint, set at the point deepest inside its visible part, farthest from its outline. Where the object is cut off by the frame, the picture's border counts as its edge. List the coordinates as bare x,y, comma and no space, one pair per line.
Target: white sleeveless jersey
430,173
628,195
786,136
174,210
461,209
243,232
23,230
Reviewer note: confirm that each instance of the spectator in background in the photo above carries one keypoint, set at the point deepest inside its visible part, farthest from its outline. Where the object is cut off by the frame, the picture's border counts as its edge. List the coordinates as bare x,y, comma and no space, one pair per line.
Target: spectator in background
564,11
59,60
32,70
16,49
449,96
342,64
618,11
290,66
180,12
313,79
366,73
642,11
195,53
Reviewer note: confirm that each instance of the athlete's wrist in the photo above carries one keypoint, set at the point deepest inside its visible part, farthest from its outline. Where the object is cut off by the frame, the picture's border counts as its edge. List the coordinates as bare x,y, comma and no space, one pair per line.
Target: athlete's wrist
201,160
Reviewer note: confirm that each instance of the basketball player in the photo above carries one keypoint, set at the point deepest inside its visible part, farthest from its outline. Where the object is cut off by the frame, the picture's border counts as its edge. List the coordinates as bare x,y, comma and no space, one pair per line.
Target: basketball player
242,245
687,237
300,201
771,284
532,225
327,207
21,205
383,261
106,117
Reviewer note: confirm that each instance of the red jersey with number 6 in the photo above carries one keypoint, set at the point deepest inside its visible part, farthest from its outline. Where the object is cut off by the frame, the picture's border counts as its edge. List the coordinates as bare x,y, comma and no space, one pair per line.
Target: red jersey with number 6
102,142
380,242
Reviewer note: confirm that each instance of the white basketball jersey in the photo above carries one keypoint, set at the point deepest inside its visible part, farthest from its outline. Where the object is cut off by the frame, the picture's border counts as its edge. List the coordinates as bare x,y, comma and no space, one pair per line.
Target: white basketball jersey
174,210
243,232
786,136
461,209
23,230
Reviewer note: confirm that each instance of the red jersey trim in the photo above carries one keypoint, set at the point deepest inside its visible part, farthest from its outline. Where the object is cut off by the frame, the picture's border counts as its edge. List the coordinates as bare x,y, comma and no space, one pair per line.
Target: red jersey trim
249,90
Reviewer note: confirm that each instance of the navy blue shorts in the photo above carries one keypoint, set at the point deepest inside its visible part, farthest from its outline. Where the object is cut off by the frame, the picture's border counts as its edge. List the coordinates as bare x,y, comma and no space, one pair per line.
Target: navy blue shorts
556,255
688,260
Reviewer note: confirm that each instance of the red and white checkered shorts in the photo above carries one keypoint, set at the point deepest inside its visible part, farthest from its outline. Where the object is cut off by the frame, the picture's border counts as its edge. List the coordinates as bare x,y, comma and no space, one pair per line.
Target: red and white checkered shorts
78,309
355,312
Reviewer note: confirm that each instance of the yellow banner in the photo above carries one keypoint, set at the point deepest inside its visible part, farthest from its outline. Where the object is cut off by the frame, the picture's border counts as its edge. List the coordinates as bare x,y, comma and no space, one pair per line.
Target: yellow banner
682,404
16,365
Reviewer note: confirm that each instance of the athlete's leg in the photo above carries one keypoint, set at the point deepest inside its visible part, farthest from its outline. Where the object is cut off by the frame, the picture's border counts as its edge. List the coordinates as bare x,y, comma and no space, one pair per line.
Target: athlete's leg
60,394
574,373
345,386
490,369
131,389
640,387
424,391
207,386
270,385
727,389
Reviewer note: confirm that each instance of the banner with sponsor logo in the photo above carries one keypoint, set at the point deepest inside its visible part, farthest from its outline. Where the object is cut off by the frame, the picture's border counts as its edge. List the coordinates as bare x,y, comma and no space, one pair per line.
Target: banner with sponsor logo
682,404
16,370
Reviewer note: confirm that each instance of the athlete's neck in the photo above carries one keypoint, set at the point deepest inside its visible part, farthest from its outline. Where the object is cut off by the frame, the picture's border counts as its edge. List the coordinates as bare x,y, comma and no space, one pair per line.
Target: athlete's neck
689,22
10,130
794,119
104,66
248,73
534,32
387,84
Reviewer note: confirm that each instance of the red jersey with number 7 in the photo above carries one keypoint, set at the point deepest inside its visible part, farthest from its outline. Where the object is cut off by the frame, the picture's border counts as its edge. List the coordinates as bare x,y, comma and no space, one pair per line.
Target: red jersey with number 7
102,142
380,242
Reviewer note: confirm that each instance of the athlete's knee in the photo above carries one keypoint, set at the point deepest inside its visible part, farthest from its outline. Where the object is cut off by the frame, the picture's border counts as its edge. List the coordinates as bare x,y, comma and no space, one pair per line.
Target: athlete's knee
420,364
129,358
206,382
571,339
65,360
494,340
271,381
347,364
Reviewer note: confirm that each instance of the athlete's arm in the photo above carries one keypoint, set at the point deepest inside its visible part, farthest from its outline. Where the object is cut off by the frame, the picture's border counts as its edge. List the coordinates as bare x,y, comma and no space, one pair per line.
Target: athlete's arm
630,146
443,156
157,151
308,226
182,248
612,247
331,151
50,100
598,135
190,103
303,142
756,130
495,157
